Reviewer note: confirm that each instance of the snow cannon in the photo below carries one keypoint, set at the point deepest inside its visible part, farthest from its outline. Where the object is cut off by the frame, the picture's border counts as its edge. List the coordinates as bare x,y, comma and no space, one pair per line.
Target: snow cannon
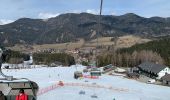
11,86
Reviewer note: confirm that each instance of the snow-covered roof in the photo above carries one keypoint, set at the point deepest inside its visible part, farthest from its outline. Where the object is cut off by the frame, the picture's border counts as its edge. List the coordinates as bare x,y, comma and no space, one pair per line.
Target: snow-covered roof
151,67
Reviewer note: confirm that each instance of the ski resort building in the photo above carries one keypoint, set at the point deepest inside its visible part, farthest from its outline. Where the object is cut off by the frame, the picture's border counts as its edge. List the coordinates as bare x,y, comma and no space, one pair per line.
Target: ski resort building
166,79
108,68
153,70
95,72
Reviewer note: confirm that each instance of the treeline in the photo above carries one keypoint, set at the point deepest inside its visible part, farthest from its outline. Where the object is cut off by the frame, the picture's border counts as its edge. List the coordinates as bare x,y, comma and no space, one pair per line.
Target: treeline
14,57
161,47
126,59
157,51
56,58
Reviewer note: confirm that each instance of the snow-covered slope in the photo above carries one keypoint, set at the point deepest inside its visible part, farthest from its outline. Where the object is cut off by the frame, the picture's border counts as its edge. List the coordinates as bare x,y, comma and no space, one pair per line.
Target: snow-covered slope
106,87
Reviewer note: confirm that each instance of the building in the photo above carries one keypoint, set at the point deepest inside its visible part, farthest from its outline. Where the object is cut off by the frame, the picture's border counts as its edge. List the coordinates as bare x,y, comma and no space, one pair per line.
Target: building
166,79
153,70
95,72
133,75
108,68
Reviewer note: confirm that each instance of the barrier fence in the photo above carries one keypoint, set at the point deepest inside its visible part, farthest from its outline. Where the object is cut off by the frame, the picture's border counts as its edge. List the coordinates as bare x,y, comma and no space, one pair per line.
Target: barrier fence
91,77
60,84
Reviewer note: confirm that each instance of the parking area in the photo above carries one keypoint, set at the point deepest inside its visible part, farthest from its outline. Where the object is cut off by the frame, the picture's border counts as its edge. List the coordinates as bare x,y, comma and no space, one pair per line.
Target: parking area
145,79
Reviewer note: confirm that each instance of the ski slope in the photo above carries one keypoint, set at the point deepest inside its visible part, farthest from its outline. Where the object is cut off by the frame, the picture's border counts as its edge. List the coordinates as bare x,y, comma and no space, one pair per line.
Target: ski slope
105,88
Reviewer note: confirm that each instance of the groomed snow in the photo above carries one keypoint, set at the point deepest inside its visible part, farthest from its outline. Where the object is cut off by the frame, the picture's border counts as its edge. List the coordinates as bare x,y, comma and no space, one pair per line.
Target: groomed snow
112,86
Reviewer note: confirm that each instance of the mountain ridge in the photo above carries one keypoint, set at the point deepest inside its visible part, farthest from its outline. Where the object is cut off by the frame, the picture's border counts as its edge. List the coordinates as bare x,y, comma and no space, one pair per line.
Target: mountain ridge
71,26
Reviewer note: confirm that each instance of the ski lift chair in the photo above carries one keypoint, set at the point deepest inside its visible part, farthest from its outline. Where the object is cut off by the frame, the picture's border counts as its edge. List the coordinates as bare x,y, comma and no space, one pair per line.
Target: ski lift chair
10,86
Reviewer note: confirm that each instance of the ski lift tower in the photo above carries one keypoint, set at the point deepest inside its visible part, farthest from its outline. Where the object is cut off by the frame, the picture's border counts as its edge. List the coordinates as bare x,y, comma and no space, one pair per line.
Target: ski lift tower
99,30
99,26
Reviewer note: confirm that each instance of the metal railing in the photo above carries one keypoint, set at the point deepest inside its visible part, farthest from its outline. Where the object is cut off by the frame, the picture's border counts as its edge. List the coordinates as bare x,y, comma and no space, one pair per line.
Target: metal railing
8,78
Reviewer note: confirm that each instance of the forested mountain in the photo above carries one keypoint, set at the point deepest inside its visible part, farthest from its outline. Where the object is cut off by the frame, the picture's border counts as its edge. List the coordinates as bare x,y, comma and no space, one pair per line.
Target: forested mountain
157,51
70,27
161,47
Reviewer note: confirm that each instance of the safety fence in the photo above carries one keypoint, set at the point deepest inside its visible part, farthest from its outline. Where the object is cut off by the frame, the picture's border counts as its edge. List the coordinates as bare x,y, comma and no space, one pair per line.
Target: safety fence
91,77
47,89
60,84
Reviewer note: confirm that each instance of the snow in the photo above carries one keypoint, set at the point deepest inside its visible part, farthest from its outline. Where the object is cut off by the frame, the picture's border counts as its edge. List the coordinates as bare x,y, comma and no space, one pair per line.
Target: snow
106,87
5,21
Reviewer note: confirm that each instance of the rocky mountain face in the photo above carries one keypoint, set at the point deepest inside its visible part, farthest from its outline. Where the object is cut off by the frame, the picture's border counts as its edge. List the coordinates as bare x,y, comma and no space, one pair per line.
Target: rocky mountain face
70,27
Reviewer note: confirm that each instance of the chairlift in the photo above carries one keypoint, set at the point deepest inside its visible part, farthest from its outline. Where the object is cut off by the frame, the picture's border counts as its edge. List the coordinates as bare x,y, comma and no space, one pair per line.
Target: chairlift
10,86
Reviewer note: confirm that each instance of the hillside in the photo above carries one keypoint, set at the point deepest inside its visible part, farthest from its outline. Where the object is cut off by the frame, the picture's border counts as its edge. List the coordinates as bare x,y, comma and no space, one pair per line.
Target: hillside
156,51
129,40
161,47
69,27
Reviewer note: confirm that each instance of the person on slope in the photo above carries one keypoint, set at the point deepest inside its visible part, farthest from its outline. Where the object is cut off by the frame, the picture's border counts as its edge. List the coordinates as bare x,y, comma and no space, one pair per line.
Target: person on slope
21,95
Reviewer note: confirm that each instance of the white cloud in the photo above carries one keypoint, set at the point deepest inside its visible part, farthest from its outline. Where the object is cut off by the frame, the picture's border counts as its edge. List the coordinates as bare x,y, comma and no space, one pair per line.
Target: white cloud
75,11
112,13
92,11
5,21
50,15
47,15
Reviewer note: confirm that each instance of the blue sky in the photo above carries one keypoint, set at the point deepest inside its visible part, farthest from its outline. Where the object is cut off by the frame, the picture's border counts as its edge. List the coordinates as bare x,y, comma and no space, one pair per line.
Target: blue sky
15,9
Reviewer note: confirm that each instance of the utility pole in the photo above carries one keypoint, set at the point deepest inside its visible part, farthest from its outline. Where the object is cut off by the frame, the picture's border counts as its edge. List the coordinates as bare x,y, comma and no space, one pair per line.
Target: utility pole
99,29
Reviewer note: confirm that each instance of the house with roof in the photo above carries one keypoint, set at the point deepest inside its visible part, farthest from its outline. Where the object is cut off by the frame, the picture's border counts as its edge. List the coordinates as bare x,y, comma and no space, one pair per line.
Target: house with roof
166,79
153,70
